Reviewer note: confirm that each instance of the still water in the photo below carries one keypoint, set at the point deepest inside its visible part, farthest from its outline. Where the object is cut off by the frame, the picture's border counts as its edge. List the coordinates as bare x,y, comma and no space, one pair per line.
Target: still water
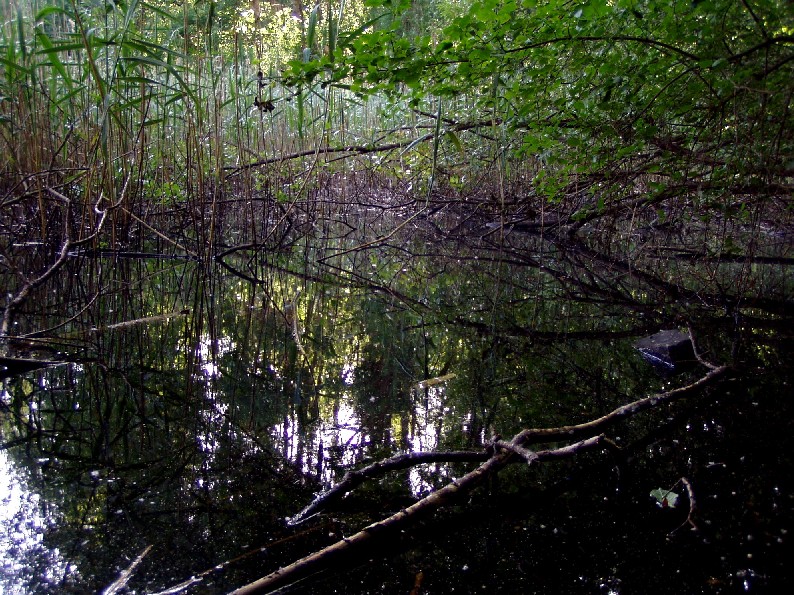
191,406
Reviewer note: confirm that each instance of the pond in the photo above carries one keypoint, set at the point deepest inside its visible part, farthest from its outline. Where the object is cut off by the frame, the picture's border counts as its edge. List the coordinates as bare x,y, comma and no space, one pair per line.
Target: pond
186,408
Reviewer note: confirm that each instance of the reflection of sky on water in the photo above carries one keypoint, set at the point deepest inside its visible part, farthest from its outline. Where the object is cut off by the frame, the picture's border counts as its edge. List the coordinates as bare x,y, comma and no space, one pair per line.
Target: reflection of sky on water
339,437
339,434
209,350
429,410
426,426
209,436
338,440
22,532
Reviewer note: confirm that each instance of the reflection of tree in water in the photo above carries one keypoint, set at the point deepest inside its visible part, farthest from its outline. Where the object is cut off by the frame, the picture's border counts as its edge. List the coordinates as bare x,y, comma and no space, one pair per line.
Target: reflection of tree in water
220,294
324,352
542,333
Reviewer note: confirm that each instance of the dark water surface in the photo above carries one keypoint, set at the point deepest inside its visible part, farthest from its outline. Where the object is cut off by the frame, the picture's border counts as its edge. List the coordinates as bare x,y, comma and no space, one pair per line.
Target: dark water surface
199,404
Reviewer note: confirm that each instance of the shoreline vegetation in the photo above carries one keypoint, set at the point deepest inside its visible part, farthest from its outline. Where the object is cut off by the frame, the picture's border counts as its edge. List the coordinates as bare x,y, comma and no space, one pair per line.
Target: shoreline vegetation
138,126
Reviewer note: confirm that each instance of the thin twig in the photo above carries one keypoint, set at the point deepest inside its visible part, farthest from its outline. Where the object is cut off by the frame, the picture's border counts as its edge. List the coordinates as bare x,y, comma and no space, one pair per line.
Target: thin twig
690,492
695,350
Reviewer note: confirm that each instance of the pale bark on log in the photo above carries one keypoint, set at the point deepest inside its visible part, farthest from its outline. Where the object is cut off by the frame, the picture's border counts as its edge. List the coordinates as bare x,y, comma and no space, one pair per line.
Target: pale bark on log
124,577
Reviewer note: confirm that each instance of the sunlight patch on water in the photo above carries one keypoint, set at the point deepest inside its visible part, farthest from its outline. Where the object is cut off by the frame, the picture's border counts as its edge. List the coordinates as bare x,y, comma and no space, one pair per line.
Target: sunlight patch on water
209,351
22,529
338,438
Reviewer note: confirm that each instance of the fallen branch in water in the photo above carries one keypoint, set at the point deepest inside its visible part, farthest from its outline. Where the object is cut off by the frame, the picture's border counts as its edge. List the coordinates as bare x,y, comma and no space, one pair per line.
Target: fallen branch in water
377,531
353,479
121,582
503,453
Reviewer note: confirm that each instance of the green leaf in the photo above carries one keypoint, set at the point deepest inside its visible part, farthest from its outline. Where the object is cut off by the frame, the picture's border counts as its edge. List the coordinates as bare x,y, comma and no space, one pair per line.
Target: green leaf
21,33
48,10
453,138
56,63
665,498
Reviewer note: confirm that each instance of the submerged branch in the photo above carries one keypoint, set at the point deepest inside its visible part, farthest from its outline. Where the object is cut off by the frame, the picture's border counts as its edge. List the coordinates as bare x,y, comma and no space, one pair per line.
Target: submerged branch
690,492
503,454
353,479
374,533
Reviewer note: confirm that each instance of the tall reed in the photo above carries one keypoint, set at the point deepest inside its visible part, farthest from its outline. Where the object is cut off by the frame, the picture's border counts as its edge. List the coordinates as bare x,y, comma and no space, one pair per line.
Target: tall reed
147,111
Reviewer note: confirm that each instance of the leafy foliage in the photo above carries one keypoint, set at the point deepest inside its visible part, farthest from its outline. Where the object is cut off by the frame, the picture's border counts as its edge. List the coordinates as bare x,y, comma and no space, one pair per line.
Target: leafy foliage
684,92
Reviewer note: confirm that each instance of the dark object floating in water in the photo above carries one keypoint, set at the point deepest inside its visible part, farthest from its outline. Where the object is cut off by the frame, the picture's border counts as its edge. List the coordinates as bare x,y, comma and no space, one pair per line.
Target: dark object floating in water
667,351
12,366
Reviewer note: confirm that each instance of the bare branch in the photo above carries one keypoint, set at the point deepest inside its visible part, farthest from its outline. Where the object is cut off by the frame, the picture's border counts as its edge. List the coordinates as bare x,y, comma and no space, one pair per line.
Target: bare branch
125,575
596,425
353,479
690,492
357,149
526,454
655,43
379,530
